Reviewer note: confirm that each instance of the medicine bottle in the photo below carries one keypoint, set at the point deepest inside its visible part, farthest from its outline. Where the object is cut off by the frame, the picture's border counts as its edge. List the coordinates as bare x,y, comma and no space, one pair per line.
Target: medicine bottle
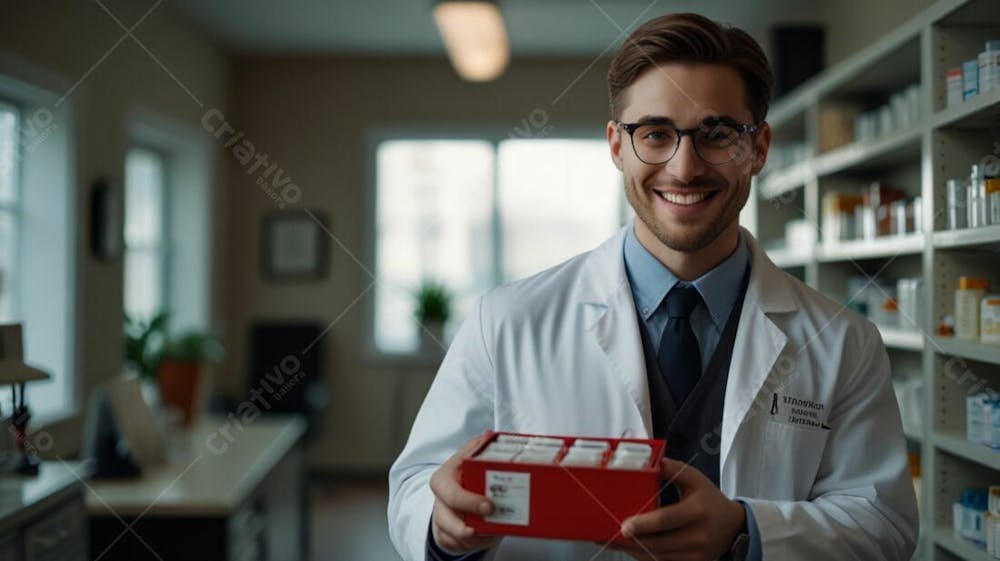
976,198
993,199
968,300
989,319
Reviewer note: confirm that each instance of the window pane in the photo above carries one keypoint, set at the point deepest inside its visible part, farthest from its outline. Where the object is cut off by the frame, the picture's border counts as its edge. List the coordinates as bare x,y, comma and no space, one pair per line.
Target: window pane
8,154
143,198
144,251
433,206
143,277
8,243
558,198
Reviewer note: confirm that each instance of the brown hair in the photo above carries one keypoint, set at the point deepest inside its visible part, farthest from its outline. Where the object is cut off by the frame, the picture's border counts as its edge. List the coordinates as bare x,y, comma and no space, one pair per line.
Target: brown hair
692,38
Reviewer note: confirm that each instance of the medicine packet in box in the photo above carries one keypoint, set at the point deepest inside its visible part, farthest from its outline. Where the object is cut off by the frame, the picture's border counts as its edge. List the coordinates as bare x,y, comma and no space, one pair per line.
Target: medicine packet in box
562,487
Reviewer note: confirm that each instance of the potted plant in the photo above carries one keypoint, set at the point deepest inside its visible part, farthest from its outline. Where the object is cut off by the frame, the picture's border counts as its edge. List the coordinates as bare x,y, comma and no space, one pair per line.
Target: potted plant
178,364
432,312
143,344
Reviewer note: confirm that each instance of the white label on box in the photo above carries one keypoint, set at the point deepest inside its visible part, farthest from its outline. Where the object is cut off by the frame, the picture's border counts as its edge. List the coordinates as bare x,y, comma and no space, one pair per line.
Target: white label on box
511,496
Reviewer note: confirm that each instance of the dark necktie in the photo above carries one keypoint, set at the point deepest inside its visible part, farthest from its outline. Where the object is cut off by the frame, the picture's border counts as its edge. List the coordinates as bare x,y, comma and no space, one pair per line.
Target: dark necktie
679,357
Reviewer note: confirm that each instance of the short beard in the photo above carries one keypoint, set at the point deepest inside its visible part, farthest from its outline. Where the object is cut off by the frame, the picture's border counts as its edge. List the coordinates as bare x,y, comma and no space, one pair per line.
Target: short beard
715,229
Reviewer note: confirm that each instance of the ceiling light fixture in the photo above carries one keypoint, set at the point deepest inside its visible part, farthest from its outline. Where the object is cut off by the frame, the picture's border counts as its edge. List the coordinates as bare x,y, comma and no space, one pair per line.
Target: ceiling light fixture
474,36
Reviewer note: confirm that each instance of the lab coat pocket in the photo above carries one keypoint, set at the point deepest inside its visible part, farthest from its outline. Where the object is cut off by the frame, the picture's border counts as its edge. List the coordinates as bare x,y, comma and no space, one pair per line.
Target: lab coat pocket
791,458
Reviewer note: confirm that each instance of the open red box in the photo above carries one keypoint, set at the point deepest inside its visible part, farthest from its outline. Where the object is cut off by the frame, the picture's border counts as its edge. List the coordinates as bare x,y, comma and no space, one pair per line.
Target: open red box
549,500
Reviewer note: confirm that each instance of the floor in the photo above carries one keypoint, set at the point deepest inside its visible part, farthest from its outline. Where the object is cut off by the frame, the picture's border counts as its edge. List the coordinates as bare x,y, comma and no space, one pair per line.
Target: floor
349,521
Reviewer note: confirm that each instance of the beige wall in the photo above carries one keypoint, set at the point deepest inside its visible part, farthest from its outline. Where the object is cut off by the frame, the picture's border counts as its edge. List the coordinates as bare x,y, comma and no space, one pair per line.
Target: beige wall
54,44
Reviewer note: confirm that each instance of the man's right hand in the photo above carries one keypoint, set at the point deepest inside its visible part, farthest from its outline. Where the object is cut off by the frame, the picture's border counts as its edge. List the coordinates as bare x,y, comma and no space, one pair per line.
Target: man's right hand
451,501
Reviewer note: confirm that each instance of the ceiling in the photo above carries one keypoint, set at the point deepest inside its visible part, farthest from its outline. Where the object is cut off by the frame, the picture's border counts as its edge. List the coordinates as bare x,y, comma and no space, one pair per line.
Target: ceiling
536,27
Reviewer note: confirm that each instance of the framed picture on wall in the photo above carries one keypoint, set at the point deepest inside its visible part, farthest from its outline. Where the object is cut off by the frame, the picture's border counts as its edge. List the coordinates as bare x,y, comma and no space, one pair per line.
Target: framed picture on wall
294,245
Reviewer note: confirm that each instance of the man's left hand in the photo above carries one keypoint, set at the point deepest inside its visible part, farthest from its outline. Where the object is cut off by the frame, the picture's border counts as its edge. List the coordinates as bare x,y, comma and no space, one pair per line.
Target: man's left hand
700,527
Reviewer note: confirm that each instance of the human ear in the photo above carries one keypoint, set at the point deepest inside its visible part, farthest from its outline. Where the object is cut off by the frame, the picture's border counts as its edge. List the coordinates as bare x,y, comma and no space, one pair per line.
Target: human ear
761,145
615,144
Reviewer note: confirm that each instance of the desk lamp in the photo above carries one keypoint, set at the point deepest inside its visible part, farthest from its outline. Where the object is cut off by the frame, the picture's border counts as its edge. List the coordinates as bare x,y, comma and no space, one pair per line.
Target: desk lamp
15,373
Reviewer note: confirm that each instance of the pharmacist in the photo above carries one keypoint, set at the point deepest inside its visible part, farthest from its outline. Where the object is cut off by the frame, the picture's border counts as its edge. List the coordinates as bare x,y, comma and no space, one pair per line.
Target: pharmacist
782,430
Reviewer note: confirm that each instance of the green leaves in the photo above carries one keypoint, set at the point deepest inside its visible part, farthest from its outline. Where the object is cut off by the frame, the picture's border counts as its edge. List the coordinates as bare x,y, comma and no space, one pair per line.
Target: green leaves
433,302
149,343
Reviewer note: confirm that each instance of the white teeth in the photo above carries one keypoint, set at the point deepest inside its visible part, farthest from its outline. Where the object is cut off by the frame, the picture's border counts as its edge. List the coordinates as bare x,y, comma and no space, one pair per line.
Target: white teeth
684,198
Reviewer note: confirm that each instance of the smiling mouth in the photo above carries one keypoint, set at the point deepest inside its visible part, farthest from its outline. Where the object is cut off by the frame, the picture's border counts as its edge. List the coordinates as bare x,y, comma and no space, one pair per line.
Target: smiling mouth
686,199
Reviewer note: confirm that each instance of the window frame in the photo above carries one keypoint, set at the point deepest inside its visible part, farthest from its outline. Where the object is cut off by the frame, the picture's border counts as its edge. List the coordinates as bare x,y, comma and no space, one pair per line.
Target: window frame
490,133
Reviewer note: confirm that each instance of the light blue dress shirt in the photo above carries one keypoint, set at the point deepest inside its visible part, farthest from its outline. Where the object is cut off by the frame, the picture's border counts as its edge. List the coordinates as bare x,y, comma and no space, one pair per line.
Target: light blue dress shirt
651,281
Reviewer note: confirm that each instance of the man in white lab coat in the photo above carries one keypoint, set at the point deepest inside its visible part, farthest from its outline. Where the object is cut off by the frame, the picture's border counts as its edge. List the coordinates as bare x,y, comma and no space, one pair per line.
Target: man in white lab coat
782,429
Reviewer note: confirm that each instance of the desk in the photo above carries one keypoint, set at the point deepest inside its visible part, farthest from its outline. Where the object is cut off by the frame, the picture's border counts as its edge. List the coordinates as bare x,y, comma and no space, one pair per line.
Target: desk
235,492
42,517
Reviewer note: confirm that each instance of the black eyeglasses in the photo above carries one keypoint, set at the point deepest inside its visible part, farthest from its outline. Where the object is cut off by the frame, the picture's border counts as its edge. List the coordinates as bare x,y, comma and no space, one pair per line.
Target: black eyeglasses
716,142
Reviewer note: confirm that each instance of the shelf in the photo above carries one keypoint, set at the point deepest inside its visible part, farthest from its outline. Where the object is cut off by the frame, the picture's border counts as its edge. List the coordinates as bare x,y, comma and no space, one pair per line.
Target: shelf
976,113
944,536
905,339
987,237
781,181
882,247
967,349
785,257
953,441
913,436
974,13
891,150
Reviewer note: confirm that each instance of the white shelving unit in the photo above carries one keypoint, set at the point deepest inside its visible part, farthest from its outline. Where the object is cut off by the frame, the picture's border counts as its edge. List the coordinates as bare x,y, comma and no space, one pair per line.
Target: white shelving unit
989,354
879,248
941,145
946,539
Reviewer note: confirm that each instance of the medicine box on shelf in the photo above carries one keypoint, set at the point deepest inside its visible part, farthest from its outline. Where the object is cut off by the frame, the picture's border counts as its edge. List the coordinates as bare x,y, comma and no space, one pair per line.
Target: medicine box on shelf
562,487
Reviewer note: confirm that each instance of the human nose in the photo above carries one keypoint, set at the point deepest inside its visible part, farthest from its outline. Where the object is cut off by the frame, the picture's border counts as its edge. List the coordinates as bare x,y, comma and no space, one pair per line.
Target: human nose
686,163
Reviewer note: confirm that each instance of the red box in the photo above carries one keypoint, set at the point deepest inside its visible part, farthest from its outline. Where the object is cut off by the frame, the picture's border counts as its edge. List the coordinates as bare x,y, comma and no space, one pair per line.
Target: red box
550,500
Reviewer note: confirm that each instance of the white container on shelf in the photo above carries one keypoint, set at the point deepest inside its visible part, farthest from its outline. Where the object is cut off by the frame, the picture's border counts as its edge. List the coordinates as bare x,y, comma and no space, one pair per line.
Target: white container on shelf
800,236
909,295
970,79
976,198
989,67
968,301
958,215
953,81
992,188
975,418
989,319
992,411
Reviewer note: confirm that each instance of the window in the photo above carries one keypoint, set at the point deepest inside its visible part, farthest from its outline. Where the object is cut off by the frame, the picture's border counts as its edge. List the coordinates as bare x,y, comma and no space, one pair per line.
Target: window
145,251
8,210
560,191
470,214
38,238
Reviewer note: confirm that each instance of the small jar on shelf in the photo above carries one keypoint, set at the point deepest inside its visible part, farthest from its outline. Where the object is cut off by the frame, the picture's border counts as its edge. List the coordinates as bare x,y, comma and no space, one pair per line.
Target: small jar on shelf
968,300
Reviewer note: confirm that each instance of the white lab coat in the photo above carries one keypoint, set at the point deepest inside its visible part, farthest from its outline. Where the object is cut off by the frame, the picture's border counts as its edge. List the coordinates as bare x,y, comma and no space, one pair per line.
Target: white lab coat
560,353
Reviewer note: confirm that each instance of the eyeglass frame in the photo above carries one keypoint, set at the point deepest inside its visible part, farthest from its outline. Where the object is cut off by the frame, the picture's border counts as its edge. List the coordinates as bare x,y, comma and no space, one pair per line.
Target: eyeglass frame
741,128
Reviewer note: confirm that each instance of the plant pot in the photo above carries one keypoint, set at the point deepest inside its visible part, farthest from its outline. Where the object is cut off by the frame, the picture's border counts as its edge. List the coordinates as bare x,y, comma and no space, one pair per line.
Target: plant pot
180,382
432,337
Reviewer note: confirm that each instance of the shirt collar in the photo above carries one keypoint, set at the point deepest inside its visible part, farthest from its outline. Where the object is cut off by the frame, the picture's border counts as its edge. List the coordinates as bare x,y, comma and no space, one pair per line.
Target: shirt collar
651,280
720,287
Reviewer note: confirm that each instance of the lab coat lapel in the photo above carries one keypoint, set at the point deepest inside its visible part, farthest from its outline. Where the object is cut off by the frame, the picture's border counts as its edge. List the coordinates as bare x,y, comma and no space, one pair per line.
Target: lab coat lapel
759,343
605,291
